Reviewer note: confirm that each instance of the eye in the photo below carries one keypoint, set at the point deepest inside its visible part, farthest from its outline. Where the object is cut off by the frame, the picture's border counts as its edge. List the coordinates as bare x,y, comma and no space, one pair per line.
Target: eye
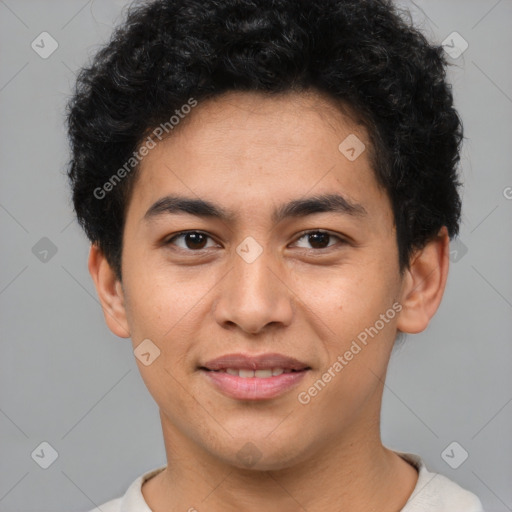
190,240
318,239
197,240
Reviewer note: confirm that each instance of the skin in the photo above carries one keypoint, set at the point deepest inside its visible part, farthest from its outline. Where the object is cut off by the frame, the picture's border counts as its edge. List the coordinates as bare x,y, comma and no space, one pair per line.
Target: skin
250,153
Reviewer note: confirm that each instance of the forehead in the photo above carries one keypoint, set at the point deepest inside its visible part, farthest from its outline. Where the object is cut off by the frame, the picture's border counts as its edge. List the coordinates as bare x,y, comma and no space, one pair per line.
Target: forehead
259,146
279,119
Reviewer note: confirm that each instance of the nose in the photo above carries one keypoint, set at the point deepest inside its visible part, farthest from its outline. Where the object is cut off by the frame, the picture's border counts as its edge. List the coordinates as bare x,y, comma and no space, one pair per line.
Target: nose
253,296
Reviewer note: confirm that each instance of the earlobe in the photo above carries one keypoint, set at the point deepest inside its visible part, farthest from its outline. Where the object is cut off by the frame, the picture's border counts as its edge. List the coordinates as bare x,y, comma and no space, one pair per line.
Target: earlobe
109,291
424,283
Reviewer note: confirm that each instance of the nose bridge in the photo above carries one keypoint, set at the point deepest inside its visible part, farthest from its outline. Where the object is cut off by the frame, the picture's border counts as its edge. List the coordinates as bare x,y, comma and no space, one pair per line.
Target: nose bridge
252,296
253,279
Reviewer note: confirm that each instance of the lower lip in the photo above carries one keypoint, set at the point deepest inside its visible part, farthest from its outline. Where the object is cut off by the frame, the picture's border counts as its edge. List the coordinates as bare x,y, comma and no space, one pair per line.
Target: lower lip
254,388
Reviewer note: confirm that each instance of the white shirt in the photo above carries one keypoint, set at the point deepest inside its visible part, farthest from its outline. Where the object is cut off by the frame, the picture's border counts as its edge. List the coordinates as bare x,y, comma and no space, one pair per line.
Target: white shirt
433,493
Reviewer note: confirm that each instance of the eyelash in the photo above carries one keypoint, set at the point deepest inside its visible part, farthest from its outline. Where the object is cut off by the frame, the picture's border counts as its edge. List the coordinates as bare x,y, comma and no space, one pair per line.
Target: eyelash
302,235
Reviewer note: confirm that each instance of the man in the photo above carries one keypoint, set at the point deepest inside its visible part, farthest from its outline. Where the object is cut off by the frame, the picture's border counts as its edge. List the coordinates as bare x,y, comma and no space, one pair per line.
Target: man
270,189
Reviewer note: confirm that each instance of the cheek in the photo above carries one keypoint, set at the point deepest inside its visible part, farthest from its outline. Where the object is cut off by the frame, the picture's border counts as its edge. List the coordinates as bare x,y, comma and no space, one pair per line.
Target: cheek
161,312
357,354
358,309
156,298
167,307
350,297
150,313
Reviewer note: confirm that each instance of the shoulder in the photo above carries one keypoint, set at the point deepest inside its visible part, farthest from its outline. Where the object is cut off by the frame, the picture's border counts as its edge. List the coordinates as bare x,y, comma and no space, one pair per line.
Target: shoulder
453,497
436,493
133,500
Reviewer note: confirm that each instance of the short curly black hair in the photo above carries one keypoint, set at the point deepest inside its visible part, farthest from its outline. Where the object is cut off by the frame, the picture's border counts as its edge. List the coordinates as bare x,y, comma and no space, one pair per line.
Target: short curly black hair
365,53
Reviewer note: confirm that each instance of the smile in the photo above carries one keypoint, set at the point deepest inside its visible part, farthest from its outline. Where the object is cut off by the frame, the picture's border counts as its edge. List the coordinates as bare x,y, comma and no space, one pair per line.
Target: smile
259,374
254,376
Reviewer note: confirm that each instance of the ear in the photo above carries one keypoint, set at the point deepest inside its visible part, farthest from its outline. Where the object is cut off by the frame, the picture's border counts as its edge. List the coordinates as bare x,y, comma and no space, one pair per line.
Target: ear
109,291
424,283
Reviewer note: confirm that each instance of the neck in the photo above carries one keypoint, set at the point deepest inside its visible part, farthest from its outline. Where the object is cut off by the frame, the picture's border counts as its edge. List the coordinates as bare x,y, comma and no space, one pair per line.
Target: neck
353,472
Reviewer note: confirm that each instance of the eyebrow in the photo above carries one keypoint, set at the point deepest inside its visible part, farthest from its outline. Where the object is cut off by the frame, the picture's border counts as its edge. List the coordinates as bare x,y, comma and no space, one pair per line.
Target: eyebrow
302,207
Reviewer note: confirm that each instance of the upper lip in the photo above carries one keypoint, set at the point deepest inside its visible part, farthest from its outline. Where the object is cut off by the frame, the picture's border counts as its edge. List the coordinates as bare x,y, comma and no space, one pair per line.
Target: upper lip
254,362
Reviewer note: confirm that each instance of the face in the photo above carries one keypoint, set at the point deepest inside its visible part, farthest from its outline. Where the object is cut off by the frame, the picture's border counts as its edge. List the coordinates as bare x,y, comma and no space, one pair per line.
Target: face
252,237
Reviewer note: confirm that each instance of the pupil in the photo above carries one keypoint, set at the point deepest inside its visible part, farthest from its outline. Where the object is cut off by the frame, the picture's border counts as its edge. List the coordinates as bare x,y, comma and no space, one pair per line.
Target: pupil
195,240
319,239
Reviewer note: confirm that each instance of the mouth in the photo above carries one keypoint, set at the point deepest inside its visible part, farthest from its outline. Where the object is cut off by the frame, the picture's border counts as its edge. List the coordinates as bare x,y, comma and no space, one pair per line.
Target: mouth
246,373
261,377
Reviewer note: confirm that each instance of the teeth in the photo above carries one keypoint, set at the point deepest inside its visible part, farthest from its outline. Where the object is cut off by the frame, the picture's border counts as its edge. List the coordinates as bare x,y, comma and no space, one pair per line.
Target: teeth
261,374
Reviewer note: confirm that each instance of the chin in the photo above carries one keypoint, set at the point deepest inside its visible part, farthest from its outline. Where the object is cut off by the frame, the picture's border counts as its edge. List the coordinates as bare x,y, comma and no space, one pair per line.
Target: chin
262,454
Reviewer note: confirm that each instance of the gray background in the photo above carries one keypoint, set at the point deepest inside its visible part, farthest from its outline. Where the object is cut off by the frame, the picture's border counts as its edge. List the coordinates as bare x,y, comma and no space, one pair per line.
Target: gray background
65,379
